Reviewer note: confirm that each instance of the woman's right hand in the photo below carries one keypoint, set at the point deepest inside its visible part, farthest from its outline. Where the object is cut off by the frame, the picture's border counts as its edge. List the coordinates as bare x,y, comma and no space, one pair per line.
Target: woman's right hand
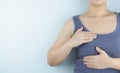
81,37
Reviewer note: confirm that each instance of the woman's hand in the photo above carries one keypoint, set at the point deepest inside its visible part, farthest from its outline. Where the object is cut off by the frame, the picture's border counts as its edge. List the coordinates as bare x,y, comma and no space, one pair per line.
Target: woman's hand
81,37
100,61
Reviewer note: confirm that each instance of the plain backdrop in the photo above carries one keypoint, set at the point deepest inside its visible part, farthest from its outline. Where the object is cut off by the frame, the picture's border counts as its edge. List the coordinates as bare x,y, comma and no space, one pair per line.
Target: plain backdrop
28,28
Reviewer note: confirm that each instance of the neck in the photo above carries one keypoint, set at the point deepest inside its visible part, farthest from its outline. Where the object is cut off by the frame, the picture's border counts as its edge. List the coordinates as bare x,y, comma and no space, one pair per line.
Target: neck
98,11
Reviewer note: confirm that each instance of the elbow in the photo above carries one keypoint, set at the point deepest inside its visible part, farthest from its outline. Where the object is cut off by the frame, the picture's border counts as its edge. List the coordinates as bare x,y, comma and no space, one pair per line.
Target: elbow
52,61
49,60
51,64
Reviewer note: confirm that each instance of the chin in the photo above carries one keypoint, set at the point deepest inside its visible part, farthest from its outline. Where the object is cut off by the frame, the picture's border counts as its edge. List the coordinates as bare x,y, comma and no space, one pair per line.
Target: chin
98,2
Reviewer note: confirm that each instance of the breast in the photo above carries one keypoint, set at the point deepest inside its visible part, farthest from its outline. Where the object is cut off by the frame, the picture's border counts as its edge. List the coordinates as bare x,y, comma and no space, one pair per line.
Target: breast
110,44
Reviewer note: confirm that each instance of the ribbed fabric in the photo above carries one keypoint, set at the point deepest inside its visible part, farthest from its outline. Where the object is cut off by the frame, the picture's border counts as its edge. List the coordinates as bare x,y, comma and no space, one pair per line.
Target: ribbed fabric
108,42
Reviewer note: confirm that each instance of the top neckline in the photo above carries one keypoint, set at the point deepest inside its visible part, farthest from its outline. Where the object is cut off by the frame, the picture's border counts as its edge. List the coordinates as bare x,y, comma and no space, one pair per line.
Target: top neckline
115,30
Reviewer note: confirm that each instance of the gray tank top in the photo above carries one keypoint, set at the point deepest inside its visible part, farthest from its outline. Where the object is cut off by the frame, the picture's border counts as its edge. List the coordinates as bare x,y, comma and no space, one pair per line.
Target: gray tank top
108,42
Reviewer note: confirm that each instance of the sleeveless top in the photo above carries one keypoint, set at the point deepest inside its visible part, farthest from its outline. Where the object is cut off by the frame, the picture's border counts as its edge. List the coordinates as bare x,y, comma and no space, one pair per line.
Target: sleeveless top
109,42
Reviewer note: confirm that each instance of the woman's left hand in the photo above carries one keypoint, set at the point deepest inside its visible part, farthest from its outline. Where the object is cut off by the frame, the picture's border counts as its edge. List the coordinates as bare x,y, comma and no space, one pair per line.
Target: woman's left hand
100,61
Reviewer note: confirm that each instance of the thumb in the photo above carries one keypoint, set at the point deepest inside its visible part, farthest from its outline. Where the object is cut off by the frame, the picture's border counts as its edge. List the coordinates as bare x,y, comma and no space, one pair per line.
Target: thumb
80,29
100,50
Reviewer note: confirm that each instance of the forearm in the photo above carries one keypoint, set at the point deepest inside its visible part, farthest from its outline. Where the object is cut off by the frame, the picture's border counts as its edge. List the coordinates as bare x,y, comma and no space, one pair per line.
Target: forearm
115,63
58,55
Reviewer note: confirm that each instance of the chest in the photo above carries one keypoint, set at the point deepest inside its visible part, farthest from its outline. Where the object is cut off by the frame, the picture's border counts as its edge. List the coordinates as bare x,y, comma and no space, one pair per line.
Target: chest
110,44
100,25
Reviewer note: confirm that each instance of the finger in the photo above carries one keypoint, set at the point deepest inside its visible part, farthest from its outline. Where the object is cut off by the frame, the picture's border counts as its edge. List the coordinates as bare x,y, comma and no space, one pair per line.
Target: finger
80,29
89,35
90,66
88,63
88,38
100,50
87,60
88,32
89,57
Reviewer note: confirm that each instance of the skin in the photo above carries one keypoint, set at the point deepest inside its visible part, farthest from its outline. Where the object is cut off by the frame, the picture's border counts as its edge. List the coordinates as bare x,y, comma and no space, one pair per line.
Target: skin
65,41
101,61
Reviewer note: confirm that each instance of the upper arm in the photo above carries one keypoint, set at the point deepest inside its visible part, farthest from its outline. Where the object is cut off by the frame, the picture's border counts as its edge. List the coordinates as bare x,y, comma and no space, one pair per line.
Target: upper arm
65,33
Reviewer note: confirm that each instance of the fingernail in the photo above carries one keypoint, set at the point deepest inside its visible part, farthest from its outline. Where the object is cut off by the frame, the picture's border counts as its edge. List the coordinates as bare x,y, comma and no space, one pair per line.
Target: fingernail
95,35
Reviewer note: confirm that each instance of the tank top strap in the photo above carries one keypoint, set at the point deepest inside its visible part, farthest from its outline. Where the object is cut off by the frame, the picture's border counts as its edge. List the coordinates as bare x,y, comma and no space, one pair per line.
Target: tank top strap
119,14
118,19
77,23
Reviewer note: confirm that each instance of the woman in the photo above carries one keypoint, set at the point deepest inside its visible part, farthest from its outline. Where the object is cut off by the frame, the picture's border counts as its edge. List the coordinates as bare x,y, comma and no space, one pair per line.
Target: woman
95,36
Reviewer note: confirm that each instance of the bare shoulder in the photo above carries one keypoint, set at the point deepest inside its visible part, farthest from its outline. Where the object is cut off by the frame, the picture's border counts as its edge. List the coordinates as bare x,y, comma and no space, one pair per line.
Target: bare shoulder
69,26
65,33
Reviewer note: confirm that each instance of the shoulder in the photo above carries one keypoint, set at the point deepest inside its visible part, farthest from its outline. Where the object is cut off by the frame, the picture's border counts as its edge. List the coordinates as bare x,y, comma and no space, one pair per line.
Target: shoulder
71,21
69,24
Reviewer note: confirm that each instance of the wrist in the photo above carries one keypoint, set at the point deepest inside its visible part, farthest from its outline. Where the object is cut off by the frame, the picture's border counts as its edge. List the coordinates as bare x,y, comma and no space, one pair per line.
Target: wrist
115,64
70,43
112,63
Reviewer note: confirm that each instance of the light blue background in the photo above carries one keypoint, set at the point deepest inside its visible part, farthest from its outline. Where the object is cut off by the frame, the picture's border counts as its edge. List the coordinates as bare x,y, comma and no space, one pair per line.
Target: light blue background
28,28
